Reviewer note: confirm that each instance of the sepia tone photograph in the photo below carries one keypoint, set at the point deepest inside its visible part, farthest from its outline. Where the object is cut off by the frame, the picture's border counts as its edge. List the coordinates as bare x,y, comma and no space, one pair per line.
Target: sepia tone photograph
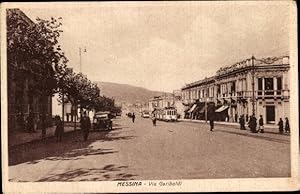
149,96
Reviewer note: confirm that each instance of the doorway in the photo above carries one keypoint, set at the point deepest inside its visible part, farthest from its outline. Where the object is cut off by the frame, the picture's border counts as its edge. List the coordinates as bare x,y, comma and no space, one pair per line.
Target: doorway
270,112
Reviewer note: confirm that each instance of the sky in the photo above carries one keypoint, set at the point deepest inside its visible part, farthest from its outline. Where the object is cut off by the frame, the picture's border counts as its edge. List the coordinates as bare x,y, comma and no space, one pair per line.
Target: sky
163,46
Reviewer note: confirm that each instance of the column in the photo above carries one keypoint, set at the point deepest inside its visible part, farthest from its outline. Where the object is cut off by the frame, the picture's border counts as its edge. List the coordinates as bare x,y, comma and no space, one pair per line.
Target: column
275,85
263,85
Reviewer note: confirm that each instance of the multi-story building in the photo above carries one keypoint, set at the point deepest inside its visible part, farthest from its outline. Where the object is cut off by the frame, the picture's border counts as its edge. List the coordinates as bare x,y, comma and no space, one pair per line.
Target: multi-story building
159,102
21,100
259,86
178,103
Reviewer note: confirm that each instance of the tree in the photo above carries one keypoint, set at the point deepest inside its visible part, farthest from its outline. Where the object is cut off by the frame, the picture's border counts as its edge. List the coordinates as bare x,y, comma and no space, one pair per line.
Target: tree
78,89
33,50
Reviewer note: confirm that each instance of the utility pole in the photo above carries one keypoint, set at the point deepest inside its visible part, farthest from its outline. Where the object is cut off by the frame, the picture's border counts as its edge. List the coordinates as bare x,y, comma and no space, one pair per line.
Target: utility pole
79,59
80,70
253,88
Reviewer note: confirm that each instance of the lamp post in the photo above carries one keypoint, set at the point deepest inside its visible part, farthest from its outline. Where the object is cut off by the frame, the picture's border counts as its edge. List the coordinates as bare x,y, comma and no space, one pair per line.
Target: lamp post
80,63
80,70
253,89
206,99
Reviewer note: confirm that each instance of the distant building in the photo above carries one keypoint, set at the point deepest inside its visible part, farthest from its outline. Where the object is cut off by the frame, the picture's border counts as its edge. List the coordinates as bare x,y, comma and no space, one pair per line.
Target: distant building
180,108
230,91
159,102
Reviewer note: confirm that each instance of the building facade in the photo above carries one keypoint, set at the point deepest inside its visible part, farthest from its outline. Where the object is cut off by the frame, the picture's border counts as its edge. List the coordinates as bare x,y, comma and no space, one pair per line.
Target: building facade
259,86
160,102
20,100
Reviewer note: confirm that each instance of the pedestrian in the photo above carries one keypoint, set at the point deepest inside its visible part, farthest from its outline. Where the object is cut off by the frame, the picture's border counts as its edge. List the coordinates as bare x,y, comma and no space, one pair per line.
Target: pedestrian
280,125
261,124
242,122
153,120
211,121
133,117
59,129
236,118
247,118
85,123
252,124
287,125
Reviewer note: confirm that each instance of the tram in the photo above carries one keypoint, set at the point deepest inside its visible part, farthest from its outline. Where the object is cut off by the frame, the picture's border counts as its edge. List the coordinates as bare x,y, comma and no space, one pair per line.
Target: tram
166,114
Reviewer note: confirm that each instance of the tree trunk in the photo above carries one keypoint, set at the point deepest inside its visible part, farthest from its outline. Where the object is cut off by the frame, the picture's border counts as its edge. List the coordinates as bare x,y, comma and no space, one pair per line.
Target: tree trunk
63,110
75,119
42,116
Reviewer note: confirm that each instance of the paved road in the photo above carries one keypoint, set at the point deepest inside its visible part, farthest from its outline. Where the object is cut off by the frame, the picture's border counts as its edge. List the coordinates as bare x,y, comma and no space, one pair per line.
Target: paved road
140,151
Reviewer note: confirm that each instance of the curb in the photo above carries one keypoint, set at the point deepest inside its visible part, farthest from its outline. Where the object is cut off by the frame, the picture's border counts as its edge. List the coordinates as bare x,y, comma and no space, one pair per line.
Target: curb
40,139
223,123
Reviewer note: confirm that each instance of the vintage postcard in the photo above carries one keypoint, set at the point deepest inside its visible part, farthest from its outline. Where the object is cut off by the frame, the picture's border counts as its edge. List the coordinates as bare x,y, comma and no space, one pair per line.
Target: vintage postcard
169,96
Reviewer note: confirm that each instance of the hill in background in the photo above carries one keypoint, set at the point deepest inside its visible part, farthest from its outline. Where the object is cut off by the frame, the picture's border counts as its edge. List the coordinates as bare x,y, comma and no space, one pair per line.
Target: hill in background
124,93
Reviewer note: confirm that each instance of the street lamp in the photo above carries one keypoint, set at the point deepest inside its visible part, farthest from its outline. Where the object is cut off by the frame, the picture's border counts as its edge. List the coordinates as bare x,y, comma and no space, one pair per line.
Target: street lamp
206,100
80,70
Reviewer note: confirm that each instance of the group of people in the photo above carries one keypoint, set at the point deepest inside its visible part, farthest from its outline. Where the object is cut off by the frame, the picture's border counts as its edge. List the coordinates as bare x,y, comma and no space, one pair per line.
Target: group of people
252,124
85,125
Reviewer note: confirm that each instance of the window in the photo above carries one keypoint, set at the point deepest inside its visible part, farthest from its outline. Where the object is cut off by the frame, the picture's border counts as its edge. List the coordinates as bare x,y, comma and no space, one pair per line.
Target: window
259,81
233,88
269,86
279,85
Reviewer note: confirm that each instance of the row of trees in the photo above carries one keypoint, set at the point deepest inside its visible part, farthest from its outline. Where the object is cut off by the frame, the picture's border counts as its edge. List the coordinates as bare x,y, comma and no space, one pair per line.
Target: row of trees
33,51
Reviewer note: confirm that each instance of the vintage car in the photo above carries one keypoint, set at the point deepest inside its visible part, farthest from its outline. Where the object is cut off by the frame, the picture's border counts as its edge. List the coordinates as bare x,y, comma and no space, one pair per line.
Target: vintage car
102,120
145,114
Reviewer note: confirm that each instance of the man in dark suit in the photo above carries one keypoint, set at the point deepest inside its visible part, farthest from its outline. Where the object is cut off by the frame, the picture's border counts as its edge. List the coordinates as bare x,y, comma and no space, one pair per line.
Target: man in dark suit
85,126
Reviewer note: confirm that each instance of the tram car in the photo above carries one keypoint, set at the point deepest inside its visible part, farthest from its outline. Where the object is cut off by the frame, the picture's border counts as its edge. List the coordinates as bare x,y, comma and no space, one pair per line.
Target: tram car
166,114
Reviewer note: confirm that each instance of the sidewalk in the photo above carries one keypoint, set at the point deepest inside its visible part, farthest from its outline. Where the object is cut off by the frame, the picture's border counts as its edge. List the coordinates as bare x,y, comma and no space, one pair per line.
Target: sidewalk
21,137
266,126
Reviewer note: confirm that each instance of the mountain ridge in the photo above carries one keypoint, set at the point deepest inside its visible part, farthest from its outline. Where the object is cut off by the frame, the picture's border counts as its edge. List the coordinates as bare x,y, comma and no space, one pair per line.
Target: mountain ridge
126,93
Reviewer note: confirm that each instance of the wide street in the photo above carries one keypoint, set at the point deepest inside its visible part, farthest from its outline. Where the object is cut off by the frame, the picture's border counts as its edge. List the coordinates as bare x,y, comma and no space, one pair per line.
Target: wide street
182,150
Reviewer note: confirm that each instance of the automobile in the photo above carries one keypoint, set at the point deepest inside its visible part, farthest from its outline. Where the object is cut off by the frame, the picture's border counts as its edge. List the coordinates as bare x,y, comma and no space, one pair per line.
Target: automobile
102,120
119,113
145,114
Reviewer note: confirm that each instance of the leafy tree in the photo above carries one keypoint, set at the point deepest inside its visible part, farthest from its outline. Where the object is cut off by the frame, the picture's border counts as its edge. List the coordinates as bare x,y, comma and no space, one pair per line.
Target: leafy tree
33,49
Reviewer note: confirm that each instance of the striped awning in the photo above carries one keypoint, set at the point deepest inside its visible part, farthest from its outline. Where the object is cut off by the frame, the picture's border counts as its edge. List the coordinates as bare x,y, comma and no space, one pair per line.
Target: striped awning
222,108
191,109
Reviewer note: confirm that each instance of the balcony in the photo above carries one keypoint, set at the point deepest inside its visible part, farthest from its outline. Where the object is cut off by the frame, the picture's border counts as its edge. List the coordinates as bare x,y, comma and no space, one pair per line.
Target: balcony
272,94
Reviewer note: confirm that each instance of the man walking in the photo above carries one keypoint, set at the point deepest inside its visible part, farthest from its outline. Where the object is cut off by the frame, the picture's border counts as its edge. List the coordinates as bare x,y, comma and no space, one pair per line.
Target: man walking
252,124
153,120
280,126
211,121
59,131
287,125
85,126
261,124
133,117
242,122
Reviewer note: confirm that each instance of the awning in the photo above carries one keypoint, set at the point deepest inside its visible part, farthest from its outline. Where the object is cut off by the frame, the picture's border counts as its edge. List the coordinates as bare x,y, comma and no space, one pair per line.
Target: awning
193,107
222,108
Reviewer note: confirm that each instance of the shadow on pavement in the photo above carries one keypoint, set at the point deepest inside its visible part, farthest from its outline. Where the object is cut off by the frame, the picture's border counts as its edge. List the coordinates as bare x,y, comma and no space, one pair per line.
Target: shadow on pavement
109,172
72,147
257,136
